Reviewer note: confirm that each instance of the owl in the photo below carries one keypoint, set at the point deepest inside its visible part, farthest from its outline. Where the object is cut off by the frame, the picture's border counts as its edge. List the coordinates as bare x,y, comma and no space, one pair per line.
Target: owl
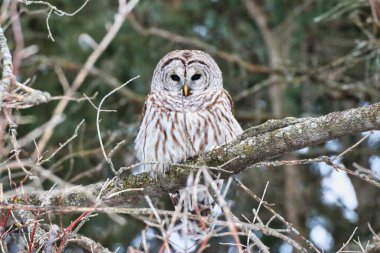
186,113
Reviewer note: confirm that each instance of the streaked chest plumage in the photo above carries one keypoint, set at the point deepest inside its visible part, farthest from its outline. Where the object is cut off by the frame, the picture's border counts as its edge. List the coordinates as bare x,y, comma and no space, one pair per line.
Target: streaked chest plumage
171,134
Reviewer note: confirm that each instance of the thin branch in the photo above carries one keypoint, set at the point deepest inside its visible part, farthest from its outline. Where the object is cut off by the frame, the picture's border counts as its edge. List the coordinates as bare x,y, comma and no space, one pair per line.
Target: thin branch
98,110
364,177
120,17
195,42
89,244
56,11
61,146
348,241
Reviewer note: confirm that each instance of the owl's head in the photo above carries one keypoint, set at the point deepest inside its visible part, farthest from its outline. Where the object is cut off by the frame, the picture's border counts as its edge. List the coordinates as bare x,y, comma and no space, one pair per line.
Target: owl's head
187,74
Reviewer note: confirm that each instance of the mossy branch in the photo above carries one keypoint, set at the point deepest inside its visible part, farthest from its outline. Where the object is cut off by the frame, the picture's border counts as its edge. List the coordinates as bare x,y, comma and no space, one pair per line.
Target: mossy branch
260,143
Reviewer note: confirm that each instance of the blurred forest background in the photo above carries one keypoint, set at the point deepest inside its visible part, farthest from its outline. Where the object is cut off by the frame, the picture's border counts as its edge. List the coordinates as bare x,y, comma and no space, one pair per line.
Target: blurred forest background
279,58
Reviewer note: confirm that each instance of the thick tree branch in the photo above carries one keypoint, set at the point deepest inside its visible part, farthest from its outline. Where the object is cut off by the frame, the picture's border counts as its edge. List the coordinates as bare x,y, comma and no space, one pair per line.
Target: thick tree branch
257,144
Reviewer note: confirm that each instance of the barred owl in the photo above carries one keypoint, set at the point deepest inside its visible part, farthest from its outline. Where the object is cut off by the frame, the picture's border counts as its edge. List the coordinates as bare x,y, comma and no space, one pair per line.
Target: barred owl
186,113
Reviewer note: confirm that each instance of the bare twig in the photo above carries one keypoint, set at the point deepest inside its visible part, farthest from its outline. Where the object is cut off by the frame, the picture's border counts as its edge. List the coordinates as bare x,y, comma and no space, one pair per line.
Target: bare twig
55,10
98,110
348,241
40,162
123,12
289,226
89,244
364,177
233,58
352,147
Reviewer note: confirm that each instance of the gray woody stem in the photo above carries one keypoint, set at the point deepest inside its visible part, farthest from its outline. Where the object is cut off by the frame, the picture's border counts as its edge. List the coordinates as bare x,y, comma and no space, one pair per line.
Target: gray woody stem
7,73
260,143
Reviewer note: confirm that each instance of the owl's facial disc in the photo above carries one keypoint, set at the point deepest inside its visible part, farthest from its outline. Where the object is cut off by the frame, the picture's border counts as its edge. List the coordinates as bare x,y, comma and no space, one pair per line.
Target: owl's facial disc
187,76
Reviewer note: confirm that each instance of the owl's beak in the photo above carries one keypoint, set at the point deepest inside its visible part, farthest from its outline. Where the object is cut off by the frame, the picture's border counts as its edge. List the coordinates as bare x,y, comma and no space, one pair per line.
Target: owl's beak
185,90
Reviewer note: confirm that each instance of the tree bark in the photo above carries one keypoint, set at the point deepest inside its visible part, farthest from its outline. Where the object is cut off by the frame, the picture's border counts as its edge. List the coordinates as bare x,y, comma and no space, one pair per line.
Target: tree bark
260,143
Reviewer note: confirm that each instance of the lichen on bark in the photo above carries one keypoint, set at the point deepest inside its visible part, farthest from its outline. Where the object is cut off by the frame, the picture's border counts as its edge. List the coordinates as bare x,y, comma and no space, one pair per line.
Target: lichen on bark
257,144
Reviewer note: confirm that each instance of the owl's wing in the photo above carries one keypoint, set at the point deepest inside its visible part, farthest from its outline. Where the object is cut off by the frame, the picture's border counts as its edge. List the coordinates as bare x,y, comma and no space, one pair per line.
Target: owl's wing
230,101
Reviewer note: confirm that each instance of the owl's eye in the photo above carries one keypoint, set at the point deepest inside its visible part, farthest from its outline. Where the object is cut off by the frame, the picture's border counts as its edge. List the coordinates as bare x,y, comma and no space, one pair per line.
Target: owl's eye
196,77
174,78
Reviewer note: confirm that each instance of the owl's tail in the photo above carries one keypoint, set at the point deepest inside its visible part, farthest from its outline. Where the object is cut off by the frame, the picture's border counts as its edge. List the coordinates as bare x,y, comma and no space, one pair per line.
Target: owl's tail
189,232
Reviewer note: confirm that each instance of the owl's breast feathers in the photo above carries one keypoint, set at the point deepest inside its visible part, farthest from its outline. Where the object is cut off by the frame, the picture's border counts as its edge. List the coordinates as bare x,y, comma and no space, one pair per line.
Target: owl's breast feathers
172,131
